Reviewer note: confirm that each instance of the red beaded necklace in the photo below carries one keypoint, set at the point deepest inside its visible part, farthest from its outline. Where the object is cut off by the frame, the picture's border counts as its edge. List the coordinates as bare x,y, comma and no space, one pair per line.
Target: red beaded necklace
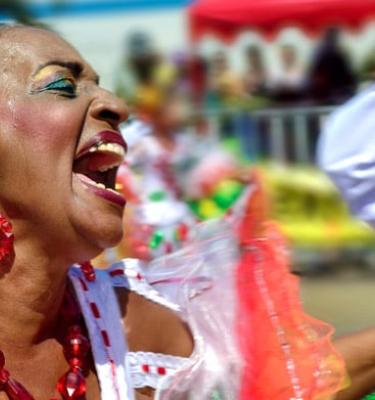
72,385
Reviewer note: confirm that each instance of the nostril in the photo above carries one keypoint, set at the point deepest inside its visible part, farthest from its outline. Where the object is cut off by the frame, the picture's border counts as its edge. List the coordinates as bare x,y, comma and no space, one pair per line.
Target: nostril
110,116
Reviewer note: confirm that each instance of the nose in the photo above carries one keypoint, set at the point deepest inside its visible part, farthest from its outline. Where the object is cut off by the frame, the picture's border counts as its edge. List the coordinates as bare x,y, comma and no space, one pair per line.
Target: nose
109,108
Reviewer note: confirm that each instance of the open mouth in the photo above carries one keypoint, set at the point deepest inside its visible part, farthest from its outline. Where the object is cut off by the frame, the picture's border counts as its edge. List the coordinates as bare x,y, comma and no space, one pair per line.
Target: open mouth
97,163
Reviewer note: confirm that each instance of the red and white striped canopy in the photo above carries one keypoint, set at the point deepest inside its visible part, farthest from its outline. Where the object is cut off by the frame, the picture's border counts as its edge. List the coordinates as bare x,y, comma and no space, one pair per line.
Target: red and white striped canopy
227,18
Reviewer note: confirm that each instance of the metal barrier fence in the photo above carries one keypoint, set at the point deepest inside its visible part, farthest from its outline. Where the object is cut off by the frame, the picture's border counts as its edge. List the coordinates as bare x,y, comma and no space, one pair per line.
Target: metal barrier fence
286,135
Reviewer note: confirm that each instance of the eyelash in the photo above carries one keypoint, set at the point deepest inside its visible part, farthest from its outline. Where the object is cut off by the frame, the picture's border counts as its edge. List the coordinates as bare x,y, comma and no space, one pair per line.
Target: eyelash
66,86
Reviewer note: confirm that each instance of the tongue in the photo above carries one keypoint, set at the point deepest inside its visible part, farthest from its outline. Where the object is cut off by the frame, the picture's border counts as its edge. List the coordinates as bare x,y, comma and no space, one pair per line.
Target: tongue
94,162
84,178
98,160
107,178
90,164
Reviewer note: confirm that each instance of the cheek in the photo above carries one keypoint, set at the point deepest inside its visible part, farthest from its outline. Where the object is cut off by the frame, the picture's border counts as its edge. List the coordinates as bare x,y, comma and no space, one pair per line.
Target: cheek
47,125
37,143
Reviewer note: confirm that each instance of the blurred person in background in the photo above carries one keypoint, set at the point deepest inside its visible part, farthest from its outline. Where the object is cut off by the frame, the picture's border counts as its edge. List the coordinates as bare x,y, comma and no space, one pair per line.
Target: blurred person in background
166,166
138,64
255,77
224,84
181,82
198,73
330,78
149,178
145,73
143,79
225,90
287,83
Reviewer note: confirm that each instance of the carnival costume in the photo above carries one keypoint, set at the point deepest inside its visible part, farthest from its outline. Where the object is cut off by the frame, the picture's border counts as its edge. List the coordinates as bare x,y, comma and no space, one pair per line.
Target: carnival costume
228,279
230,283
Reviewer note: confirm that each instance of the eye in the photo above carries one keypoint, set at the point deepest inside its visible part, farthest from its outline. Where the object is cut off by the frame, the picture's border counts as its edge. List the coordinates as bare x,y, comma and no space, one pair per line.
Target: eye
64,85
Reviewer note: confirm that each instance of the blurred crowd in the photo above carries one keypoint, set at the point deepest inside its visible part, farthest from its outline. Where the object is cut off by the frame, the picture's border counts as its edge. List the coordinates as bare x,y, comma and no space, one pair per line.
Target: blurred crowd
328,78
195,134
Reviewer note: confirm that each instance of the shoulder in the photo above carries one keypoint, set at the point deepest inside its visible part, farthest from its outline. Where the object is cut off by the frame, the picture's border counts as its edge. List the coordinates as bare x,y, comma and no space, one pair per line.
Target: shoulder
151,322
151,327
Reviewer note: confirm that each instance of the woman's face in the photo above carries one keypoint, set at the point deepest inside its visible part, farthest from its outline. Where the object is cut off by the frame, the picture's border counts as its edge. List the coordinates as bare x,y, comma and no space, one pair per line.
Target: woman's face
59,145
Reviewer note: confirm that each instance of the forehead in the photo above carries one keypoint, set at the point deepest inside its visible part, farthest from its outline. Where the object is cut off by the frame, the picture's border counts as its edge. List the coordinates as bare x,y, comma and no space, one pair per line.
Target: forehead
24,49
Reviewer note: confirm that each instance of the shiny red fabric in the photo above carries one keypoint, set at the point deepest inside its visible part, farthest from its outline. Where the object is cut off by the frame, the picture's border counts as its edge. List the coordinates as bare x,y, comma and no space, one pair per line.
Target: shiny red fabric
287,354
226,19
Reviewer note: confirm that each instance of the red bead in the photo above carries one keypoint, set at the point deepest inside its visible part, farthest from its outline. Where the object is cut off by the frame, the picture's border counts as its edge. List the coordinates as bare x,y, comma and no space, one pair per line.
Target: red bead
89,271
76,363
5,225
16,391
145,368
7,254
77,345
72,385
4,377
161,371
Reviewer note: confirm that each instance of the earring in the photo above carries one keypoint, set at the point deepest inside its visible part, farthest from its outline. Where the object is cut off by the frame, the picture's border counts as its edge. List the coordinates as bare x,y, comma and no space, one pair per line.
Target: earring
7,254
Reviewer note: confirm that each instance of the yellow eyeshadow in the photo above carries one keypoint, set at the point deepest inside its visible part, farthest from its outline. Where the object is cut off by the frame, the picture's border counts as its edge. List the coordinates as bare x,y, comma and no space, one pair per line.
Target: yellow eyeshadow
47,75
45,72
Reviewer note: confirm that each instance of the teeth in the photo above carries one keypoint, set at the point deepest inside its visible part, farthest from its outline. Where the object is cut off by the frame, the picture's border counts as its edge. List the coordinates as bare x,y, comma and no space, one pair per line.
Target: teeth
109,148
97,184
105,168
112,148
102,186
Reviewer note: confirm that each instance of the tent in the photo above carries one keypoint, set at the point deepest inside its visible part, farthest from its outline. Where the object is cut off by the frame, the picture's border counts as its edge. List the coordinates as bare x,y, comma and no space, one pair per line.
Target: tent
227,18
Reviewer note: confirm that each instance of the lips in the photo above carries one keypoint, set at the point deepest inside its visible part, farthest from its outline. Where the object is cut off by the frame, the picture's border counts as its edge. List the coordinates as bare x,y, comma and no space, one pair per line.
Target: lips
105,137
97,162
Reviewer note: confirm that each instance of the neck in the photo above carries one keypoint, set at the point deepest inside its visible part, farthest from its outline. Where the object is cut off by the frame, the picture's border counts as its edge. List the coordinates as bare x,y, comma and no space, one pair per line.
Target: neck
31,294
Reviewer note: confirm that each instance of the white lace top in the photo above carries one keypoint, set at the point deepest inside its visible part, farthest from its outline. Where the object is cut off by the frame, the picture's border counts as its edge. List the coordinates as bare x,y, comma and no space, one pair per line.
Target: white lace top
120,371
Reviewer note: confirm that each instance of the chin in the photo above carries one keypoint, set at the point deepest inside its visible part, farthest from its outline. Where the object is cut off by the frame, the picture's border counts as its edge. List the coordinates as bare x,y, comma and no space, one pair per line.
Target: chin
107,234
93,238
109,238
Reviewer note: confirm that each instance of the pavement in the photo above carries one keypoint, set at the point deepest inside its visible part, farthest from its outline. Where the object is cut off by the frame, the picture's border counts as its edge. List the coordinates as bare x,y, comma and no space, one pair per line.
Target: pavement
345,298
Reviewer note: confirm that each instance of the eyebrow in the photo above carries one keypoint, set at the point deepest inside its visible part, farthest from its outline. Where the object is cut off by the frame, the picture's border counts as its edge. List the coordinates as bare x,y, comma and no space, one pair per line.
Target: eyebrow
76,68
